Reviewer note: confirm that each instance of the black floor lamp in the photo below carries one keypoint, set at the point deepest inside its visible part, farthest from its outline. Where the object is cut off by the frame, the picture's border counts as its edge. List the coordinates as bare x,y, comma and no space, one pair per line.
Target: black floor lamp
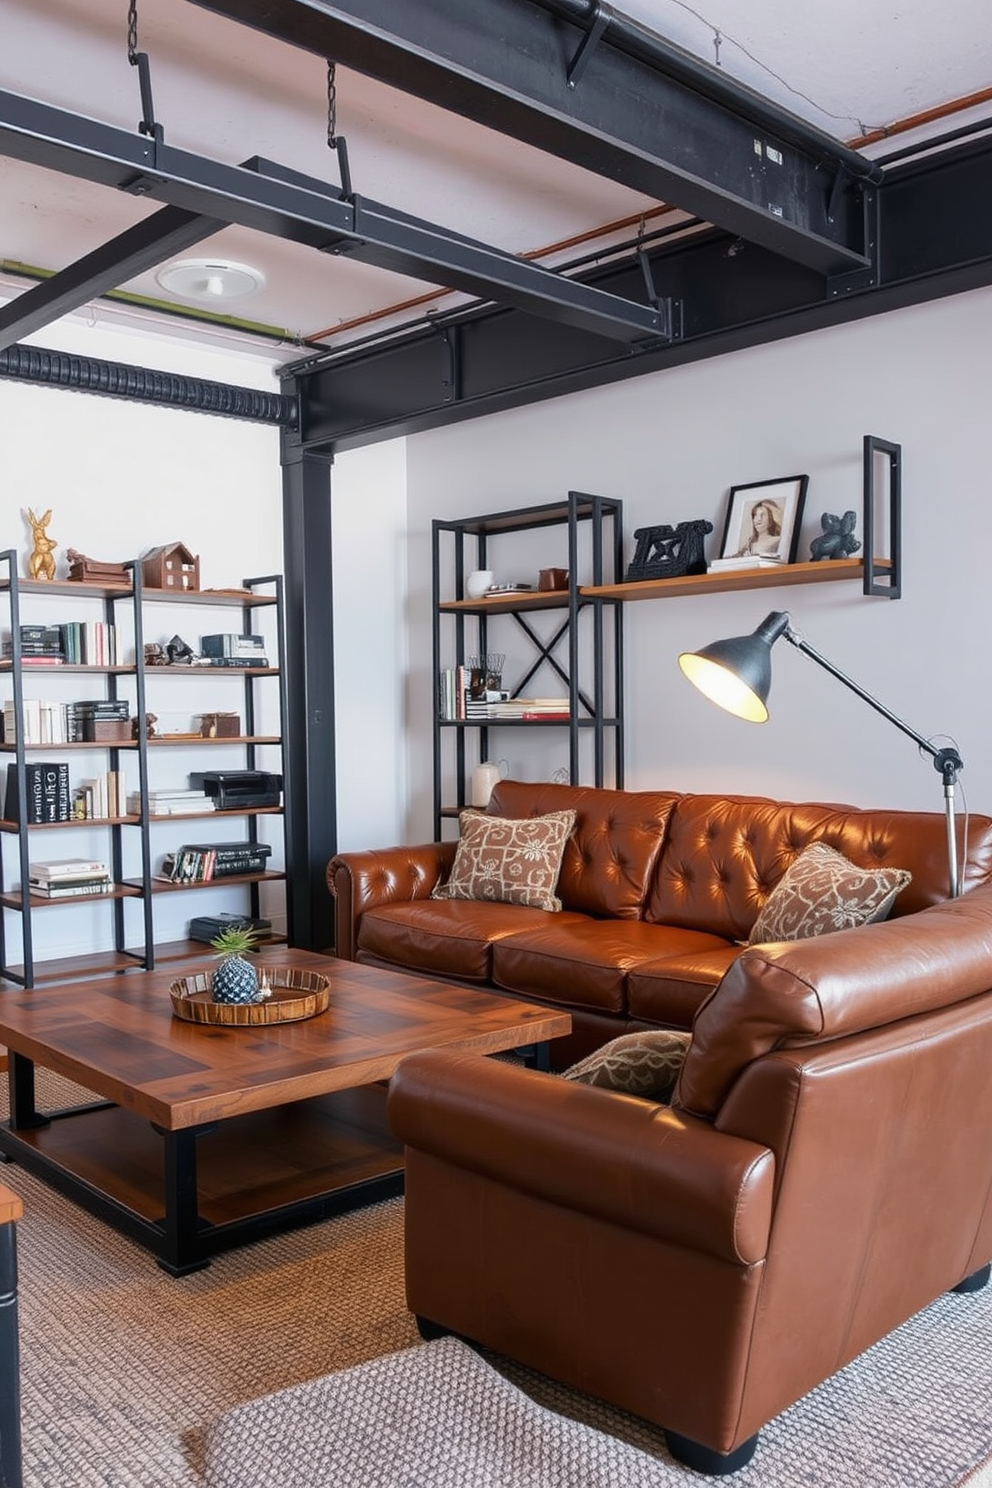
737,674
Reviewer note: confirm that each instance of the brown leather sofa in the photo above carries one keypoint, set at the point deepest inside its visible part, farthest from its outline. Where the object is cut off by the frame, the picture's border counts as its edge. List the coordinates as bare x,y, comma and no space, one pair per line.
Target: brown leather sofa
823,1172
658,890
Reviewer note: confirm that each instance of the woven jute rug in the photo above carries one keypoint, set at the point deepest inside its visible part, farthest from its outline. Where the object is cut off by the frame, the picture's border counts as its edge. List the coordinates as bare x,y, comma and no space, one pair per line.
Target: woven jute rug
244,1376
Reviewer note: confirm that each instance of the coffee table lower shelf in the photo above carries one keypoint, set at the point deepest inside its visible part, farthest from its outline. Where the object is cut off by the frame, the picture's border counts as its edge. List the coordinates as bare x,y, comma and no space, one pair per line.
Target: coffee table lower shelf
188,1195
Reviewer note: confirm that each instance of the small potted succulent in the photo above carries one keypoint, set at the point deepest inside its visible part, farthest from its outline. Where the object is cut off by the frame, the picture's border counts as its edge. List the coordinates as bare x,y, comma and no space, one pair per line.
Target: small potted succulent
235,979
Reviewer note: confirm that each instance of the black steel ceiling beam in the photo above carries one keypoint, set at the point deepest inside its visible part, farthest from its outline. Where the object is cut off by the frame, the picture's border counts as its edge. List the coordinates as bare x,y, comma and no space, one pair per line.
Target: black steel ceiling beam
136,249
634,109
935,228
288,205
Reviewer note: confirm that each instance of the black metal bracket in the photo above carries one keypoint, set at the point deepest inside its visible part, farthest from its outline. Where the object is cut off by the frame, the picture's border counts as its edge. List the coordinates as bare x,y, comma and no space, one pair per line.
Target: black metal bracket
340,147
450,379
147,124
884,582
601,17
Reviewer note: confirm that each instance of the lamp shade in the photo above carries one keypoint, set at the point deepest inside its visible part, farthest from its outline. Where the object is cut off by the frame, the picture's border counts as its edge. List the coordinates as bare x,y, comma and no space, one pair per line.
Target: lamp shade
737,673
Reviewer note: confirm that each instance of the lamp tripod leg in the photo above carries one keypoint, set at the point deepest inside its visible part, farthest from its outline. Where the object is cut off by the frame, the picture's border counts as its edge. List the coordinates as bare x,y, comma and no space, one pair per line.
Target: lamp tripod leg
952,843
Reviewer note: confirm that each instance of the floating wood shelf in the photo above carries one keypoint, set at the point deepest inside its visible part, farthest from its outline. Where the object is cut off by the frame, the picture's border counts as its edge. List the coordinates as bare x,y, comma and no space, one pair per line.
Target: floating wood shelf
741,578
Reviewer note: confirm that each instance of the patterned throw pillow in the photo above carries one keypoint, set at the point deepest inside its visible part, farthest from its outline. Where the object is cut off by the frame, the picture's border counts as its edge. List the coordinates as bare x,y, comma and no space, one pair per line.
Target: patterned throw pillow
636,1063
507,860
822,891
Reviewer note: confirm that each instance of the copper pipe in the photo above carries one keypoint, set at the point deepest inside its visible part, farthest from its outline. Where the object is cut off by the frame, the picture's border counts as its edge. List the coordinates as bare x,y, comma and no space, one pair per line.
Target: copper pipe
916,121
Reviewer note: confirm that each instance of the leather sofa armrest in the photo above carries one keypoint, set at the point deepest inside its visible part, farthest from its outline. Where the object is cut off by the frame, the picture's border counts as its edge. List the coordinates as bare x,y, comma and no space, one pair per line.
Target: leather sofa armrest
390,875
627,1161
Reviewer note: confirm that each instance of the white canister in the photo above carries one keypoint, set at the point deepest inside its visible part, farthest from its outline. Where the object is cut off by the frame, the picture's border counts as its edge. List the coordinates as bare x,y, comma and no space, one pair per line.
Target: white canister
478,581
485,778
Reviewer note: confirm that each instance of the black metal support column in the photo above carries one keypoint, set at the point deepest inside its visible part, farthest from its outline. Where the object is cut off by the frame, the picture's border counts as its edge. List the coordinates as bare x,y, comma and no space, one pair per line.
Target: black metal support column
309,756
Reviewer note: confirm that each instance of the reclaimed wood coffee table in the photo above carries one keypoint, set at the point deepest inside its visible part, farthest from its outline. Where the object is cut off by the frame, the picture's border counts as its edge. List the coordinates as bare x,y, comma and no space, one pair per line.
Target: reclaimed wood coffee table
208,1137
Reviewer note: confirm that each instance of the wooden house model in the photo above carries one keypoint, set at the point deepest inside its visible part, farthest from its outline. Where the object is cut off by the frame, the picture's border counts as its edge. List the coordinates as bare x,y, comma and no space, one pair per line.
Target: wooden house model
171,566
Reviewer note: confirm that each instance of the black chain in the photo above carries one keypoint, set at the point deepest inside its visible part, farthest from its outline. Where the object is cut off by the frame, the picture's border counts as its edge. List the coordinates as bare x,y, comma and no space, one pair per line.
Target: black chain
332,104
132,32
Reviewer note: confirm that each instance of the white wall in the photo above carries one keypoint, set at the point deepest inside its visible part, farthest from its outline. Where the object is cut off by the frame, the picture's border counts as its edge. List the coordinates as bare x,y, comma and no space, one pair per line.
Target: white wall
670,445
370,643
120,478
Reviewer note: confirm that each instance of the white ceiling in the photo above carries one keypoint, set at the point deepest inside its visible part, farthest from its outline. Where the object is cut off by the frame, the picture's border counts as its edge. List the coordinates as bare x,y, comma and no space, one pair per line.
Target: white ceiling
848,66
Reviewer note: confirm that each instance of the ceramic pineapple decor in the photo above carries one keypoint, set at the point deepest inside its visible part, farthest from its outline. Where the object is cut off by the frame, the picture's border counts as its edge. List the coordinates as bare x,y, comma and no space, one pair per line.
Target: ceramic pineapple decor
235,979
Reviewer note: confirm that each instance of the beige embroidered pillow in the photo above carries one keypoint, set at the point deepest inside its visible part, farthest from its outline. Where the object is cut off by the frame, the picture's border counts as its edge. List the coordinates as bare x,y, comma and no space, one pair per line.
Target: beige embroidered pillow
822,891
507,860
637,1063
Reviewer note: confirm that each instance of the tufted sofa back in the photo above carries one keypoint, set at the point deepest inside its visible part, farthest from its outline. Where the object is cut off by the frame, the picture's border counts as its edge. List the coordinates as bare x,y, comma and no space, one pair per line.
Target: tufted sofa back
708,863
612,854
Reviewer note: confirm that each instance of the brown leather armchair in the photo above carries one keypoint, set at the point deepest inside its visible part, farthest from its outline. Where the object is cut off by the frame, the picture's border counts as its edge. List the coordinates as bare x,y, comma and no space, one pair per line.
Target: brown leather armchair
823,1173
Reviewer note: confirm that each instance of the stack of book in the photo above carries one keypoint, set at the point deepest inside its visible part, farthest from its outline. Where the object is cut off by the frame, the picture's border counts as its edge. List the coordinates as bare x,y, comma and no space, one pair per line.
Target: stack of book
530,709
177,802
47,798
101,799
69,878
202,862
91,720
40,644
234,650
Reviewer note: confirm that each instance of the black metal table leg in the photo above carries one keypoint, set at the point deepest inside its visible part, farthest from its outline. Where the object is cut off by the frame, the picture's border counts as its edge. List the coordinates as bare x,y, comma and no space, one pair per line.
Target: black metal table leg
180,1252
10,1390
20,1083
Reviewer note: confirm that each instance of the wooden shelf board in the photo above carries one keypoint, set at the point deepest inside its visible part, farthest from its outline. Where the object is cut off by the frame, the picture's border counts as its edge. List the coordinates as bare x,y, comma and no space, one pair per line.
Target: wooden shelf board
165,886
74,587
82,821
206,596
60,667
503,604
40,901
191,950
741,578
198,739
72,968
77,744
177,816
191,669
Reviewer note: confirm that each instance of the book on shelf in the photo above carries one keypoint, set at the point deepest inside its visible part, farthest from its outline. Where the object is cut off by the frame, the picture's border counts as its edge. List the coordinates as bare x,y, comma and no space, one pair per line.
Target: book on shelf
753,560
232,647
100,797
56,869
47,786
73,888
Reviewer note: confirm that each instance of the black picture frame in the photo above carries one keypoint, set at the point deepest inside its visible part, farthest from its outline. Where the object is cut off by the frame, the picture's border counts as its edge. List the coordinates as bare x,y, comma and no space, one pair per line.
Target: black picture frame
784,498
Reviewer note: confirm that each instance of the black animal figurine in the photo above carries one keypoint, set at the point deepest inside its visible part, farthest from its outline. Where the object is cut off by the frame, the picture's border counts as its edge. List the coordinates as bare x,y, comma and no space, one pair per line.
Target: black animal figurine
837,539
668,552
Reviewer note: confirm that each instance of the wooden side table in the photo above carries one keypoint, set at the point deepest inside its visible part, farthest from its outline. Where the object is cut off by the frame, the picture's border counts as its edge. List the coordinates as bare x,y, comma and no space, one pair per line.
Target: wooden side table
11,1210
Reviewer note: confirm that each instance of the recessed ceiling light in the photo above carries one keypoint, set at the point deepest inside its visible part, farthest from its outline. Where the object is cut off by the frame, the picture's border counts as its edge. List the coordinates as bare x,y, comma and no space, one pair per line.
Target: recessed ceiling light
209,280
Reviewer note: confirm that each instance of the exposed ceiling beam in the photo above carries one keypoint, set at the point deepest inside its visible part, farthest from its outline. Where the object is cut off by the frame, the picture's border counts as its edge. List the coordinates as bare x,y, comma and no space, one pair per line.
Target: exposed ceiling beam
935,228
138,248
577,80
274,200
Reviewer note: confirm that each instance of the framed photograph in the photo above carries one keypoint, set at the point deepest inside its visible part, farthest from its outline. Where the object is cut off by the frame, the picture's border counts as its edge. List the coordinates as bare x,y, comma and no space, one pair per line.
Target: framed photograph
764,518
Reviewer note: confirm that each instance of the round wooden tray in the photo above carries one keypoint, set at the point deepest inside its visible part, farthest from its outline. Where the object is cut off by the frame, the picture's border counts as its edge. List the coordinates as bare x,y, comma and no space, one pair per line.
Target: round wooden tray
296,994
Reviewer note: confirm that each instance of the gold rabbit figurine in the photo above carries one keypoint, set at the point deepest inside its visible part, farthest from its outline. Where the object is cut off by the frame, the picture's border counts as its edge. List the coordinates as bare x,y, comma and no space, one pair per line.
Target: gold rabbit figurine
41,564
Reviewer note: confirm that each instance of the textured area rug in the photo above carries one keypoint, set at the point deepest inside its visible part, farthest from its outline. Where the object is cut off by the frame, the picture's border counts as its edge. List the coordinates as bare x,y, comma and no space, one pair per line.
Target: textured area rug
439,1416
129,1376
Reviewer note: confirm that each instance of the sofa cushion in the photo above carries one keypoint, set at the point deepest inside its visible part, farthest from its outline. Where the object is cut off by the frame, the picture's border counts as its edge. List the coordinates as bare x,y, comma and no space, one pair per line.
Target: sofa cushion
645,1064
671,989
446,937
822,891
508,861
582,962
611,856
